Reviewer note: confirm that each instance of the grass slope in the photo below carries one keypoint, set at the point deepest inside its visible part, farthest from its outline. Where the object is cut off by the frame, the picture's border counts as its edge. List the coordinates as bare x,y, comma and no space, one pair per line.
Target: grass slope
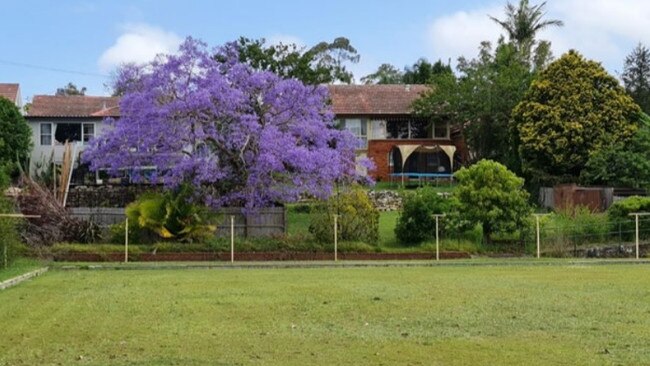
420,316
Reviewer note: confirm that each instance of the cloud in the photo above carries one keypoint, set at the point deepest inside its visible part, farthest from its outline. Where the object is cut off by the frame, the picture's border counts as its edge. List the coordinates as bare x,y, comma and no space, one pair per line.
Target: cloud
138,43
602,30
460,34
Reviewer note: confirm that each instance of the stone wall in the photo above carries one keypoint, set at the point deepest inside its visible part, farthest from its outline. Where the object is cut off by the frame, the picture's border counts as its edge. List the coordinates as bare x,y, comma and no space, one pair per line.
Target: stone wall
386,200
106,195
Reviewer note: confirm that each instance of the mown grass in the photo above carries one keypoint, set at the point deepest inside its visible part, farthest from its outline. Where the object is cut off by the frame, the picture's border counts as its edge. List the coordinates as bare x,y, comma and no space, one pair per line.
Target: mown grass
18,267
394,316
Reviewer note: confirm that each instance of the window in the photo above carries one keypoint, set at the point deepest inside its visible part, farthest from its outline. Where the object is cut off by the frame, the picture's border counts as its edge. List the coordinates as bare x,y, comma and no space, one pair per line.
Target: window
358,127
441,130
88,132
67,132
46,134
405,129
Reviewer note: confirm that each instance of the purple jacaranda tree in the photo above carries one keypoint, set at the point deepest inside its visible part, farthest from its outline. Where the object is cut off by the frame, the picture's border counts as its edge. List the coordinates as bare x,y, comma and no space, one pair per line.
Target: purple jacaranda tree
240,137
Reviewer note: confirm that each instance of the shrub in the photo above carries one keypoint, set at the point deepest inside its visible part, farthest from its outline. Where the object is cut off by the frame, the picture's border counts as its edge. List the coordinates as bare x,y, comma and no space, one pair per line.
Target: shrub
9,235
491,195
416,222
563,231
358,218
620,219
170,215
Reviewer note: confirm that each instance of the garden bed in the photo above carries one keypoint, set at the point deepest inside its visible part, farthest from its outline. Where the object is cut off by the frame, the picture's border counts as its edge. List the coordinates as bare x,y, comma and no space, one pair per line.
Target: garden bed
248,256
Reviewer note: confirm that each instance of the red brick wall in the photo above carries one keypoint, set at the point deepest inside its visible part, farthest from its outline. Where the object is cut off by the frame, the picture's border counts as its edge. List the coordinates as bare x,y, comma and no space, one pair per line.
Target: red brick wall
378,151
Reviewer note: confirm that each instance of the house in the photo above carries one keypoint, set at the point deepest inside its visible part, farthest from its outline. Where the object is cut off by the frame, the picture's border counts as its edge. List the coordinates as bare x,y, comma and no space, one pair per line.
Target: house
57,119
400,144
11,92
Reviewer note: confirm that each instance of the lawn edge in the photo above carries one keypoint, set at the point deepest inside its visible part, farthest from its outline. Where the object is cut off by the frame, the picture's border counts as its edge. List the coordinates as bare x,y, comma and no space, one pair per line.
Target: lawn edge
307,265
22,278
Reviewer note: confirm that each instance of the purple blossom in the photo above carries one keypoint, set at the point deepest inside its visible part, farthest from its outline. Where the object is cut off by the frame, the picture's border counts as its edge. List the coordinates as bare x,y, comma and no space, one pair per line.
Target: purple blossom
239,136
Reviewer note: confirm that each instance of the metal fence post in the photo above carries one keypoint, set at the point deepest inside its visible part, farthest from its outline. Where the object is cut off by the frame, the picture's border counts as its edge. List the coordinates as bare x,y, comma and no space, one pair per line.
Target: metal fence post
636,220
538,240
336,238
437,217
232,239
126,241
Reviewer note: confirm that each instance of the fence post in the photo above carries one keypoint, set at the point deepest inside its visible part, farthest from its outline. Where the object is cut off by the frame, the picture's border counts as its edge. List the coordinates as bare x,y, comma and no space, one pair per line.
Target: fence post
5,258
538,241
126,241
336,238
232,239
437,217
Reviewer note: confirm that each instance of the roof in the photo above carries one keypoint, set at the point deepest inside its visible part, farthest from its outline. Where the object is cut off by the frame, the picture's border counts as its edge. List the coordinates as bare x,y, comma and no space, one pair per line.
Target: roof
374,99
74,106
346,100
10,91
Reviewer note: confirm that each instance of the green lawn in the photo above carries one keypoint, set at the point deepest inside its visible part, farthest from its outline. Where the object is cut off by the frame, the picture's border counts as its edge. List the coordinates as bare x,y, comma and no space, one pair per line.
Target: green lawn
534,315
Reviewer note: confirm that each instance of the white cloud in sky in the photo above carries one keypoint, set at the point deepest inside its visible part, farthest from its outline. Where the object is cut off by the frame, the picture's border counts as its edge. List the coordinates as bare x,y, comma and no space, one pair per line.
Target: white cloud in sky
138,43
603,30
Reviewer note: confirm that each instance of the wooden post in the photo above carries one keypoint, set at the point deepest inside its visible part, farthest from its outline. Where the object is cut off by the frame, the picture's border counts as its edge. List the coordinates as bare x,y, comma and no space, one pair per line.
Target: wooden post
636,219
232,239
437,241
636,236
5,258
538,240
437,217
336,238
126,241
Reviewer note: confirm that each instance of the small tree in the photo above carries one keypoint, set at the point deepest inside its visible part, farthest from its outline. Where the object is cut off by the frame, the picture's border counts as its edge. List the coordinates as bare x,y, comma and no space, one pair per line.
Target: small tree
358,218
491,195
15,135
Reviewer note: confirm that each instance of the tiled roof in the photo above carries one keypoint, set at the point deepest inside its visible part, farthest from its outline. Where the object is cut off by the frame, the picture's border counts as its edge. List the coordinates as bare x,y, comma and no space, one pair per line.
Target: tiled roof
346,100
74,106
9,91
374,99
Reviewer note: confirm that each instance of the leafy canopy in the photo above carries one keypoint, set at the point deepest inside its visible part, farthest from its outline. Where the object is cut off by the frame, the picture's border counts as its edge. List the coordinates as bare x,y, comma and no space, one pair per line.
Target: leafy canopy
238,135
15,135
572,110
624,164
479,101
636,76
323,63
491,195
70,89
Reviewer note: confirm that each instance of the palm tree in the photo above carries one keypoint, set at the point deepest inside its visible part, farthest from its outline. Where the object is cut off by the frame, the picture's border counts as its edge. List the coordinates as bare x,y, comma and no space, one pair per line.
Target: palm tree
523,22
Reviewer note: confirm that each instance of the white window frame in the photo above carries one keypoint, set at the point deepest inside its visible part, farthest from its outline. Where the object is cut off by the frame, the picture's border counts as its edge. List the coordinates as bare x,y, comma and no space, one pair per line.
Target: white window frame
85,141
41,134
358,131
447,130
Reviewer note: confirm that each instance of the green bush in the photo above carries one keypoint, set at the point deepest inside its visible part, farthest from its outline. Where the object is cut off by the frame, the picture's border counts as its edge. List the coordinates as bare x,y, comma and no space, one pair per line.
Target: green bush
491,195
416,222
358,218
620,219
563,231
9,234
166,216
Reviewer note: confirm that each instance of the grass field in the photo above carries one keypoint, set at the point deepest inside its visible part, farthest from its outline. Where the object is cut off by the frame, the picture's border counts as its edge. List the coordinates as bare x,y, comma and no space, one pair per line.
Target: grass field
559,315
